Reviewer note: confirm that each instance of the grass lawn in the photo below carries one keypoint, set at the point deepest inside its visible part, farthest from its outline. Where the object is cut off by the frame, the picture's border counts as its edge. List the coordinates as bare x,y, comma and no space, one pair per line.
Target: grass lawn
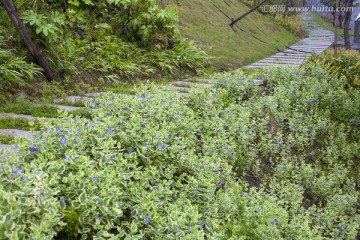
231,48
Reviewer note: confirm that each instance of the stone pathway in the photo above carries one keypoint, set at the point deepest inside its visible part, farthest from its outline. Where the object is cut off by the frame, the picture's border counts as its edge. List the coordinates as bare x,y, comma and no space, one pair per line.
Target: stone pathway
318,41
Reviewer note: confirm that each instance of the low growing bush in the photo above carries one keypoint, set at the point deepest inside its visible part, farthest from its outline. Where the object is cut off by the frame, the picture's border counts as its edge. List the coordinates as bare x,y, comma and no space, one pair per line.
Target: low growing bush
347,64
241,161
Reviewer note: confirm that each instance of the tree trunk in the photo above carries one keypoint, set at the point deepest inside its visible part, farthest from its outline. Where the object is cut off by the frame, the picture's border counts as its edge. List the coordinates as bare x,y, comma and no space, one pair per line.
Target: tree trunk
336,29
348,3
25,37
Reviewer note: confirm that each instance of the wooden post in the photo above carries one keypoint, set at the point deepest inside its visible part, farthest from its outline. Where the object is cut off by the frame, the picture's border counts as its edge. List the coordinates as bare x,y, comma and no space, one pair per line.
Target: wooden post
25,37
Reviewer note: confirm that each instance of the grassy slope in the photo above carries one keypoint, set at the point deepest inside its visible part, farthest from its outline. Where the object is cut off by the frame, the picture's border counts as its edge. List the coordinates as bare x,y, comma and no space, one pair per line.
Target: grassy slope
201,21
324,23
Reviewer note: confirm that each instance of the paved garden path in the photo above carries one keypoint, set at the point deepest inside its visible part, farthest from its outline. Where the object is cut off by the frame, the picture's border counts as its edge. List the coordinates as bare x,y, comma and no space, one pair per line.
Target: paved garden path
318,40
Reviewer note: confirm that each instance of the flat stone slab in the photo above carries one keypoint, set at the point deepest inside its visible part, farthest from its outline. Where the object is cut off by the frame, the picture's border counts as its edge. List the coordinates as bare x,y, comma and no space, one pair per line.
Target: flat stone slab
97,94
179,89
74,99
28,117
17,133
198,80
192,84
9,148
67,108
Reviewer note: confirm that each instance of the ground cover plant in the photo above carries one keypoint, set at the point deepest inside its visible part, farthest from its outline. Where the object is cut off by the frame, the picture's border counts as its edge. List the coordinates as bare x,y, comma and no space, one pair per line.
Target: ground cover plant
240,161
18,123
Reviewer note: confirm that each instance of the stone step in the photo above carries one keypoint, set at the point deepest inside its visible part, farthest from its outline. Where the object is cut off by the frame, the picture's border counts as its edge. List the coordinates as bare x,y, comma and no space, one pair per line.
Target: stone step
17,133
5,149
74,99
67,108
293,56
192,84
28,117
199,80
179,89
279,59
284,62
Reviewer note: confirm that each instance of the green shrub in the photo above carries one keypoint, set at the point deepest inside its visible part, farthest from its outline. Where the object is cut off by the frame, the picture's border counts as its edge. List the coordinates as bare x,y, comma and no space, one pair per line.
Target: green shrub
347,64
239,161
293,23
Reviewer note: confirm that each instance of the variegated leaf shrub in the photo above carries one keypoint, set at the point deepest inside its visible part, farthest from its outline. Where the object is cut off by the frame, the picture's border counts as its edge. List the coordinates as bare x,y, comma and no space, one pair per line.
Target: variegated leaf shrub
240,161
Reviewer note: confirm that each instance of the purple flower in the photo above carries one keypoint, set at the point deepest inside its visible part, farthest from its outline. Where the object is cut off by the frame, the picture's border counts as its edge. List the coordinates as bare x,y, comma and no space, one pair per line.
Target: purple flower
130,151
307,128
94,105
63,140
146,146
121,120
198,142
331,96
170,119
201,228
75,120
58,130
223,81
79,129
110,163
300,186
97,218
242,194
67,158
33,149
142,125
94,179
178,228
221,182
142,96
147,219
309,185
344,231
230,153
119,203
25,180
160,146
142,157
272,222
109,130
291,235
188,227
126,109
62,202
176,115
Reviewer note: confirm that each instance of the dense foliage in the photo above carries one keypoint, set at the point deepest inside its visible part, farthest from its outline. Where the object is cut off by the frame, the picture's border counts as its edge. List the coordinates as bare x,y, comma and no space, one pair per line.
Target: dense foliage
240,161
347,63
113,38
14,71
